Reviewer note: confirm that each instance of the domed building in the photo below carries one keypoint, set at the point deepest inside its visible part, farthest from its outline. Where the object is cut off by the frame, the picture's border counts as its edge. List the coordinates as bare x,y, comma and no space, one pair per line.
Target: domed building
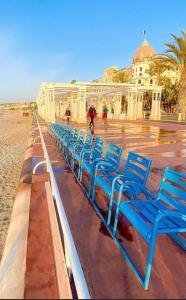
141,64
137,73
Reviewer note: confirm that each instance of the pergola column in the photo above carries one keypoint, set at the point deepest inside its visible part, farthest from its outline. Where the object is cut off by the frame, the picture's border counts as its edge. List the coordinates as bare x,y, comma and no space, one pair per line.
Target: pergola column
46,112
57,107
44,106
131,109
73,102
51,106
139,106
40,104
117,102
60,107
155,110
81,104
99,105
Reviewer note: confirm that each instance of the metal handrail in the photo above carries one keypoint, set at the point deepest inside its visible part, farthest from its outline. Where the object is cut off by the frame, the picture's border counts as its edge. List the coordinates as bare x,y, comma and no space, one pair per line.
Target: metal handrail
79,279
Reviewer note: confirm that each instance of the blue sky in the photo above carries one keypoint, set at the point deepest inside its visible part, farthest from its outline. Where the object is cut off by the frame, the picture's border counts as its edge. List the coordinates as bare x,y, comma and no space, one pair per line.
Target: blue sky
61,40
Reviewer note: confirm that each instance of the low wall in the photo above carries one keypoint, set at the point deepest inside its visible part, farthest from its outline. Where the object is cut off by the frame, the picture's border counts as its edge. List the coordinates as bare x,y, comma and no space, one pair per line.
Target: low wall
13,263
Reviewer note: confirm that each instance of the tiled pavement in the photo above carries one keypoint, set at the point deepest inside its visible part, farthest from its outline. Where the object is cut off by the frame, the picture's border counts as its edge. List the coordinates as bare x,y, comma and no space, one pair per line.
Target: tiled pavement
164,143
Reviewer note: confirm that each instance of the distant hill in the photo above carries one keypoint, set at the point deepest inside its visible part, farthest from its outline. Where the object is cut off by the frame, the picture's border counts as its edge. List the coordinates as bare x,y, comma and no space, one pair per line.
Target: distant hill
29,106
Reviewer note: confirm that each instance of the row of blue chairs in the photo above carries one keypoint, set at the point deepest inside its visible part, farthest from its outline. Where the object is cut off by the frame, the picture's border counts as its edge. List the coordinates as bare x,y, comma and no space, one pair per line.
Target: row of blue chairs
152,215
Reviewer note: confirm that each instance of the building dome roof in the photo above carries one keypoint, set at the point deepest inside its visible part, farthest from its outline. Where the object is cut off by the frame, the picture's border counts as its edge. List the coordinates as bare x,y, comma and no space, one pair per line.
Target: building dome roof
144,52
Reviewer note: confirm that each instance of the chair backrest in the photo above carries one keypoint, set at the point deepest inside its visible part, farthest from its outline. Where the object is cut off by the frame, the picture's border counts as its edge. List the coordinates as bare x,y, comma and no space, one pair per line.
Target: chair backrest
113,154
75,133
81,137
137,167
97,148
172,189
88,140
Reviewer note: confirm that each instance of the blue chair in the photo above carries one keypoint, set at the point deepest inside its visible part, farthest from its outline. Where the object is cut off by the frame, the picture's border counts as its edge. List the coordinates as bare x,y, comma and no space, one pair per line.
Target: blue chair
68,136
59,132
87,157
136,170
165,214
69,145
108,163
78,148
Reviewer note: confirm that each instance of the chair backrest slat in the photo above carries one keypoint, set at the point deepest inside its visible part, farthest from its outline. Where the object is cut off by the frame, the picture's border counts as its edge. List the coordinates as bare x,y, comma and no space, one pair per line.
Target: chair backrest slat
172,189
175,204
113,154
97,148
88,140
137,167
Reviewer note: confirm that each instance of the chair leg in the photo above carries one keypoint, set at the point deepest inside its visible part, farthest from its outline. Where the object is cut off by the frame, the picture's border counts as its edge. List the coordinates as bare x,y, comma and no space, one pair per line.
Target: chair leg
110,208
117,209
72,163
94,191
116,220
80,174
90,185
150,260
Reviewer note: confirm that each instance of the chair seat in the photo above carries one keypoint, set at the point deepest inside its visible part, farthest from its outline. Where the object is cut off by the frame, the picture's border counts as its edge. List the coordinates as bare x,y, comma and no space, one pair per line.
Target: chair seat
87,167
77,156
142,215
70,149
105,182
64,143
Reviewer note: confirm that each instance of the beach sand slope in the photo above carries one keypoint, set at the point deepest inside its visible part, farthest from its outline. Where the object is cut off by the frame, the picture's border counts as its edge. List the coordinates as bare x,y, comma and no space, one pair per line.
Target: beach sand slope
14,135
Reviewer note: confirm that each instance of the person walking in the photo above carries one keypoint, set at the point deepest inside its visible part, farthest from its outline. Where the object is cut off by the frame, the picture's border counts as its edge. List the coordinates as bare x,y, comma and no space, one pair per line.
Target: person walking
92,115
104,114
68,114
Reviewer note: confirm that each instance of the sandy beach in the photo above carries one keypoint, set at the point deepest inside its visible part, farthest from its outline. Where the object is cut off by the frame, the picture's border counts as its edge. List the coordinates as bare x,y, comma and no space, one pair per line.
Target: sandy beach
14,135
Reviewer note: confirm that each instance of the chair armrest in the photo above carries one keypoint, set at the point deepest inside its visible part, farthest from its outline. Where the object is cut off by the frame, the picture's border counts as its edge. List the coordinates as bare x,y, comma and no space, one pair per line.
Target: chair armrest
99,163
83,149
115,179
148,194
76,145
71,141
84,153
65,137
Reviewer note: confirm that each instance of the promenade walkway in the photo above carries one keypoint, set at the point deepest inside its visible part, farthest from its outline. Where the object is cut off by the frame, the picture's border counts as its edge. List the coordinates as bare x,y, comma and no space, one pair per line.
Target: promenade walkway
107,273
164,143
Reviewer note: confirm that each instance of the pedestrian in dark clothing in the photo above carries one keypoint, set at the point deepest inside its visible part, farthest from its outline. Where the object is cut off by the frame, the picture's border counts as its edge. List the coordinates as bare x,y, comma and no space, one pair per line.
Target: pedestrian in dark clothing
68,114
92,115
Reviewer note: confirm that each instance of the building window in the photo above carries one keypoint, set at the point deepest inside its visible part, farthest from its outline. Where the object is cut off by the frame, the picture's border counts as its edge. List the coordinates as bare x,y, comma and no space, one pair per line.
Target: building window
140,74
151,81
141,69
139,81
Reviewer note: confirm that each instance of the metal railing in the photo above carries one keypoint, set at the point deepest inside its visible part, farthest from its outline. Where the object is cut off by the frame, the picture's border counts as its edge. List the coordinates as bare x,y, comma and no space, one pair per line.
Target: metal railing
72,258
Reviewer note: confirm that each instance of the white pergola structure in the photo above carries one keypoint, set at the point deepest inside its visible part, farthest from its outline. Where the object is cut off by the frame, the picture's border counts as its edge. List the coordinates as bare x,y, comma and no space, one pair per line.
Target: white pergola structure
54,98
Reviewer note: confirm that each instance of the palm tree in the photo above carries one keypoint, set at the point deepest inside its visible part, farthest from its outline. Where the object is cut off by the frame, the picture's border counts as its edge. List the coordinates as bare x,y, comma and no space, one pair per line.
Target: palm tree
175,56
73,81
170,93
120,77
157,68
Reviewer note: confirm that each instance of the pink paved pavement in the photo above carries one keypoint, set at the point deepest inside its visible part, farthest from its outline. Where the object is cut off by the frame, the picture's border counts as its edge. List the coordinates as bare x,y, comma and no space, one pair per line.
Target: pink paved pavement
164,143
107,273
